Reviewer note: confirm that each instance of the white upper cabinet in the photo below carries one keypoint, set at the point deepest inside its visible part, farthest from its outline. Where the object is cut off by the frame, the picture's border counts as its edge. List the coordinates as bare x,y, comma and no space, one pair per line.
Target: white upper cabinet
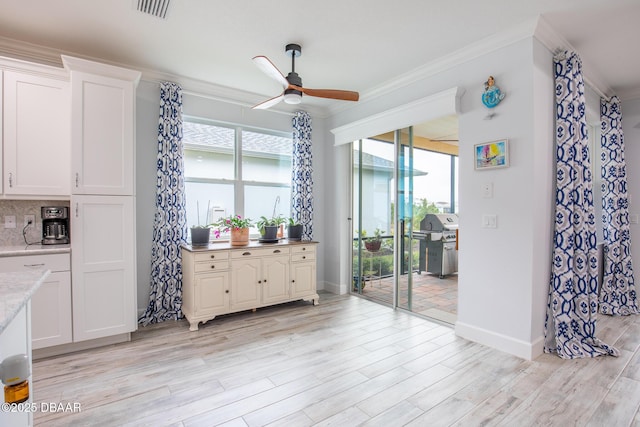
103,127
36,134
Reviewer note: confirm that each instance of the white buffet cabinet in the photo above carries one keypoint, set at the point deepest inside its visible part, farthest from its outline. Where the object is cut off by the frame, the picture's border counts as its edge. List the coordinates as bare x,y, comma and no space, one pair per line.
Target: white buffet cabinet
222,279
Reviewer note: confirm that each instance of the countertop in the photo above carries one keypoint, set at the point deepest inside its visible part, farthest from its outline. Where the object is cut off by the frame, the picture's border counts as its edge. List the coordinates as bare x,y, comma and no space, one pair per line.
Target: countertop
16,288
252,244
34,250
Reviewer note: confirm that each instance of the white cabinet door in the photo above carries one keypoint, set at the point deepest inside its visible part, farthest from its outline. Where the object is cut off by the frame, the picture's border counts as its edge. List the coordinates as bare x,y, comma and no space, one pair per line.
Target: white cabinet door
102,135
246,284
275,286
303,279
51,303
211,294
103,260
51,311
36,135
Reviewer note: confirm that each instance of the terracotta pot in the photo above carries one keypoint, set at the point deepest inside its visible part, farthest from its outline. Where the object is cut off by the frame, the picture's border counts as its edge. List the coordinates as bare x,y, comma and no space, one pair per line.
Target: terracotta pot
373,246
239,236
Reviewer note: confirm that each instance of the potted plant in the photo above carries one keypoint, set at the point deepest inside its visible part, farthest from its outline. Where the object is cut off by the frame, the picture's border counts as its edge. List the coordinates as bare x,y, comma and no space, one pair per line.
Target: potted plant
294,230
237,226
200,233
373,243
268,227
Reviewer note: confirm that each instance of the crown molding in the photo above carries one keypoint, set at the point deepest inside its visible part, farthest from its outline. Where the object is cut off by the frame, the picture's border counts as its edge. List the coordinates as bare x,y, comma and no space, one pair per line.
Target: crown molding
31,53
475,50
553,41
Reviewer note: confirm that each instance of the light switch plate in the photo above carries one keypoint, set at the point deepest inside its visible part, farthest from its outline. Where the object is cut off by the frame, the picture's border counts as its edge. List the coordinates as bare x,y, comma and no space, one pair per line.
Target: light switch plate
487,190
489,221
10,221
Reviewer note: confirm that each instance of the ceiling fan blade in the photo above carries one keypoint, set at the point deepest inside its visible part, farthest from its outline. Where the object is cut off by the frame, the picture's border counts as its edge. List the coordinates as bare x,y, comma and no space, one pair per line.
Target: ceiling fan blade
268,103
344,95
271,70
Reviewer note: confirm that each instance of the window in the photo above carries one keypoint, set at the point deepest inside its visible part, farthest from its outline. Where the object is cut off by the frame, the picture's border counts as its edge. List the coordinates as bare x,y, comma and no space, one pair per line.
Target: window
234,170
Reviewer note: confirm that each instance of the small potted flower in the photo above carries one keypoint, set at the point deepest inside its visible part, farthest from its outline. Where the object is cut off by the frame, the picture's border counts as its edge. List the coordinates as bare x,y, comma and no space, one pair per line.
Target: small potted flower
237,226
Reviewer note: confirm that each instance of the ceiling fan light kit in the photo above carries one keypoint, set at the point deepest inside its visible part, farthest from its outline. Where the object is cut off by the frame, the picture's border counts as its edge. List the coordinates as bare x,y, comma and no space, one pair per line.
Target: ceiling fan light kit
292,84
292,96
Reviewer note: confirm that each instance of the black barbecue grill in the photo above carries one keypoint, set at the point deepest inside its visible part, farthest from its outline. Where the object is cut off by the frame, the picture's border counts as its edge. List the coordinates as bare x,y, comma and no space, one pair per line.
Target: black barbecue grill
437,236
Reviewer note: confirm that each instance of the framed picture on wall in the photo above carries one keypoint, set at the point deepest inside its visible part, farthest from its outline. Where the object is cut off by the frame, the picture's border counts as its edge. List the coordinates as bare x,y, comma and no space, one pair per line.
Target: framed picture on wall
491,155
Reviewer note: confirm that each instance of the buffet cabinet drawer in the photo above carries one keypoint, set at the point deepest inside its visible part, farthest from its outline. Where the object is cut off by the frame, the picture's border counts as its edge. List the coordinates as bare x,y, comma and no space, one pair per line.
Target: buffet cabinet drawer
259,252
211,256
208,267
303,249
297,257
53,262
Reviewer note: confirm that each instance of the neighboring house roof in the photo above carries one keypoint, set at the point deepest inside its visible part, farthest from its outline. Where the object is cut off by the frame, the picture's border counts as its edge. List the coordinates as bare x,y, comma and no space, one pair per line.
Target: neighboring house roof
217,138
371,162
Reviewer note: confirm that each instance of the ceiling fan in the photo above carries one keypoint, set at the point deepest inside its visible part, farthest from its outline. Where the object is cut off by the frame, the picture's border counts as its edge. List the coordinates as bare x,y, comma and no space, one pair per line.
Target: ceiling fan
292,84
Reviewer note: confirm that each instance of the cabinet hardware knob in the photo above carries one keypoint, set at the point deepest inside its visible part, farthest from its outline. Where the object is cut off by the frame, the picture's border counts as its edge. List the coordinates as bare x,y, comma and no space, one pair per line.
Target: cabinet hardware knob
246,253
213,256
265,280
227,291
293,281
213,266
304,249
77,179
259,281
304,257
10,180
277,251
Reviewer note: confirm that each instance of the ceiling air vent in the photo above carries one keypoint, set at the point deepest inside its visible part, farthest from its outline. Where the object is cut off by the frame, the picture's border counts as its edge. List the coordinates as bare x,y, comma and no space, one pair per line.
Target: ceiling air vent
157,8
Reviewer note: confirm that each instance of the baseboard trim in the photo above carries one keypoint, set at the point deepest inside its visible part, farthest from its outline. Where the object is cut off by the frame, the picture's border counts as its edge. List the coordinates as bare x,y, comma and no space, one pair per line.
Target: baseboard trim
335,288
57,350
519,348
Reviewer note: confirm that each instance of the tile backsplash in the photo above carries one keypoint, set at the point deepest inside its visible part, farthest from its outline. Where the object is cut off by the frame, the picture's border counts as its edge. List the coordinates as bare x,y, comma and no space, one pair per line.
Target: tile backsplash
20,208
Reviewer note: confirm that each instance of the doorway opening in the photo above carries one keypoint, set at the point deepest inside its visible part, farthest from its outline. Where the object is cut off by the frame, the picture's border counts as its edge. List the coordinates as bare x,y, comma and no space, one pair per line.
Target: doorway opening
401,179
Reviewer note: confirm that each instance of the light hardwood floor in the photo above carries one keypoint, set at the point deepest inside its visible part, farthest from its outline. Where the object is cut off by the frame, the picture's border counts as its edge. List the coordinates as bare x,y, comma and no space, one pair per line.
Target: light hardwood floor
345,362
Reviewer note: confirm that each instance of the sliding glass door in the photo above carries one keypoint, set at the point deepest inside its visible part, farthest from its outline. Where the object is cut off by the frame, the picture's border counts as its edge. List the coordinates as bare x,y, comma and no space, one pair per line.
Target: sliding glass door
373,175
382,210
398,179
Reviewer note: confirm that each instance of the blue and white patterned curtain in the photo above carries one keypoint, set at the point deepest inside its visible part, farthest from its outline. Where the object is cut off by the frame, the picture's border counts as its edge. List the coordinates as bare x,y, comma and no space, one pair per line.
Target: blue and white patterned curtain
573,292
170,224
618,292
302,174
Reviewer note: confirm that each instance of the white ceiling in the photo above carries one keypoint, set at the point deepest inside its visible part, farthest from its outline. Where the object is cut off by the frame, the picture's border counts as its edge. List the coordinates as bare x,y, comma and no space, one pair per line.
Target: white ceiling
354,45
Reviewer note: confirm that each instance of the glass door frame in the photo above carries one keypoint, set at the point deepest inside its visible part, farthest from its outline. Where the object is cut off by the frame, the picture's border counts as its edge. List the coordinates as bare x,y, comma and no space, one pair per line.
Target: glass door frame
399,214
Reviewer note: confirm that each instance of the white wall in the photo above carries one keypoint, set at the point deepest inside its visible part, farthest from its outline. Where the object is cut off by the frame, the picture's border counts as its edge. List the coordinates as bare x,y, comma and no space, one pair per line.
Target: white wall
147,110
503,272
631,129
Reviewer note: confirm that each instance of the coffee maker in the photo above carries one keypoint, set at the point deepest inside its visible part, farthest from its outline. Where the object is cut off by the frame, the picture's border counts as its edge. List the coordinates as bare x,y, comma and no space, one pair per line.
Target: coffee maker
55,225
